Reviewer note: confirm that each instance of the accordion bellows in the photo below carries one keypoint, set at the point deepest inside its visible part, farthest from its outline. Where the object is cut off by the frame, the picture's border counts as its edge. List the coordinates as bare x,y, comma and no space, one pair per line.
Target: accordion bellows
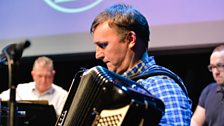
104,98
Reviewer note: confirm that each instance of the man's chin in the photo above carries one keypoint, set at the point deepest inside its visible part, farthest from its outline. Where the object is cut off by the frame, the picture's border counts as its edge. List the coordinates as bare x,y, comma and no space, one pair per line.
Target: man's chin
220,82
111,68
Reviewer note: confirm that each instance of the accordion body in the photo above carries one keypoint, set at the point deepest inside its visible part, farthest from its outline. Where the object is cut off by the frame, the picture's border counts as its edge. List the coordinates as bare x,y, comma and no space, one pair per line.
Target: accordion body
104,98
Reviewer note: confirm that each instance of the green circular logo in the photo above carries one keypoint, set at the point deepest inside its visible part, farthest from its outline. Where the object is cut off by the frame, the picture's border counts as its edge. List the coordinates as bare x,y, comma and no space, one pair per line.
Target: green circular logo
58,5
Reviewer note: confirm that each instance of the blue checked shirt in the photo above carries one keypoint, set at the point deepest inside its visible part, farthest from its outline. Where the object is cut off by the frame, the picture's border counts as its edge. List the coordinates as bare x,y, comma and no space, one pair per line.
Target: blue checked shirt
177,104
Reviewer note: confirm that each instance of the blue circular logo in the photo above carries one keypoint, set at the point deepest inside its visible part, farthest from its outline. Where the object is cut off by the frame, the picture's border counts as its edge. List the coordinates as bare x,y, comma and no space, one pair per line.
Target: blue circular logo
65,5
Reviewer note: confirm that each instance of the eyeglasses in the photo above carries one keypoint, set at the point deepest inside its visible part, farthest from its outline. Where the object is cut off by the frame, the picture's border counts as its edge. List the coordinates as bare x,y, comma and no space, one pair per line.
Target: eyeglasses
219,67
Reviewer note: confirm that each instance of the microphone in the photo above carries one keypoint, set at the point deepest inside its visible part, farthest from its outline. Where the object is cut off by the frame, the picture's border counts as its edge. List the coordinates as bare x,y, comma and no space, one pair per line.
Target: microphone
14,51
21,46
17,47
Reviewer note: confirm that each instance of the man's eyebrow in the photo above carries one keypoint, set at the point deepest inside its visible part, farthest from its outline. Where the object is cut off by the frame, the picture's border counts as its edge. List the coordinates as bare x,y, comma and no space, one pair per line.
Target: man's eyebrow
99,43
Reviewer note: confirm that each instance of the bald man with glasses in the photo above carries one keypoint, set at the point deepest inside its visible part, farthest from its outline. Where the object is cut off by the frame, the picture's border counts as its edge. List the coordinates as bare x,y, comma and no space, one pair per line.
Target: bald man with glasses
210,108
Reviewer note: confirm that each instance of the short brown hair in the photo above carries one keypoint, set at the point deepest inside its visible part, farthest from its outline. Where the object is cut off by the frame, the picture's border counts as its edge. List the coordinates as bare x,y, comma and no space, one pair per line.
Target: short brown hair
44,62
124,18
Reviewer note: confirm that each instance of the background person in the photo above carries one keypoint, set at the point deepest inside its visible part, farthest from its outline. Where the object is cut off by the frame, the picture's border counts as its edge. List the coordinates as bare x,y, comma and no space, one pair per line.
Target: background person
121,35
42,87
210,108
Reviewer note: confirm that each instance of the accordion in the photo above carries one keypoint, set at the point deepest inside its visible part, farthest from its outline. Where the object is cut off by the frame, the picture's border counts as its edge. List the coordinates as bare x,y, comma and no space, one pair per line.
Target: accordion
104,98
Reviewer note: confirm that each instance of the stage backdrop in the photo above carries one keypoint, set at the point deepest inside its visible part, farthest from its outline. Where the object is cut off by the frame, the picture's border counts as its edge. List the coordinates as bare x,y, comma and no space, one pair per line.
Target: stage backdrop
62,26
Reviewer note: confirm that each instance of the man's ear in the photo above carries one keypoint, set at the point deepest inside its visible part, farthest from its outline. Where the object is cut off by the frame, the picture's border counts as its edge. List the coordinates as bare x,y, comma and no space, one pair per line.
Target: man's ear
132,39
53,72
32,73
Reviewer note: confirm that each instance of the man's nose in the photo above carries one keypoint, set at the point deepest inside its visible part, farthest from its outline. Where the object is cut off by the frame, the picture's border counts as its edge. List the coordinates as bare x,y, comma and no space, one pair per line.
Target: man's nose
215,70
99,53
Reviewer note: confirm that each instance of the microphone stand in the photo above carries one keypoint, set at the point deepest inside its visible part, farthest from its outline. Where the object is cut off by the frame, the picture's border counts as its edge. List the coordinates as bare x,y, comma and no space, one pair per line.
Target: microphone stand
12,53
12,121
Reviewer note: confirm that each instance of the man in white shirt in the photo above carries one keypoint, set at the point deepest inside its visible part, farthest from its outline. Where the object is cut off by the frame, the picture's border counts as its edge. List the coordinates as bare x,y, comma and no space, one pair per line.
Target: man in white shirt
42,88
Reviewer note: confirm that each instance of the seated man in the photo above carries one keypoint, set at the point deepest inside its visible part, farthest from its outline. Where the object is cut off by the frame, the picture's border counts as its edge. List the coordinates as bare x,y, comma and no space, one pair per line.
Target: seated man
42,88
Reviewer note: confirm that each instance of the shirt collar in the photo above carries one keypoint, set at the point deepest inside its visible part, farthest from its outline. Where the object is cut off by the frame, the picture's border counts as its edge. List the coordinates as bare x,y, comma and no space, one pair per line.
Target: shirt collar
144,64
49,91
220,89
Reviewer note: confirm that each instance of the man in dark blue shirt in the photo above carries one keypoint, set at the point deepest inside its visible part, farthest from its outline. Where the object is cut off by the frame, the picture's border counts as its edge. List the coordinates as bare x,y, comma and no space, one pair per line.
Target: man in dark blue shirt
210,108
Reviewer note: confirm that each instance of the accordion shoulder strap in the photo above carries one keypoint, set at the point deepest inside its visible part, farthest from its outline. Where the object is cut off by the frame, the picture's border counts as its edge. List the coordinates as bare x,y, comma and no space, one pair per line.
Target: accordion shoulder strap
158,70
